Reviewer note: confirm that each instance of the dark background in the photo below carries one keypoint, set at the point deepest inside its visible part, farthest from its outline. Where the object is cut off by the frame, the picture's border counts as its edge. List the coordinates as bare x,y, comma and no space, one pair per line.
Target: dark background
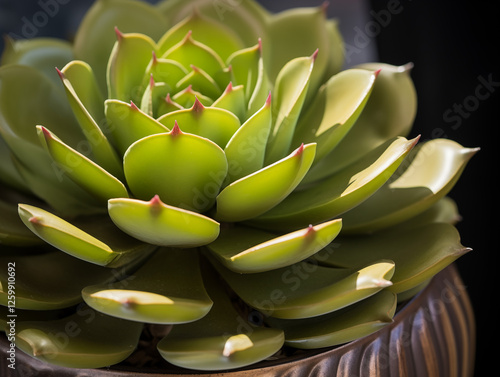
453,45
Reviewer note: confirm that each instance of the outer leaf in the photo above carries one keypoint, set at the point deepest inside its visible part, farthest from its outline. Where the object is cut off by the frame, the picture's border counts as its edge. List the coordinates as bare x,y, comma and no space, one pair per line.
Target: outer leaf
217,125
244,249
95,38
81,169
86,339
389,112
341,326
127,123
167,289
184,170
340,192
160,224
42,54
95,240
306,290
432,170
222,339
427,250
51,279
290,92
255,194
334,110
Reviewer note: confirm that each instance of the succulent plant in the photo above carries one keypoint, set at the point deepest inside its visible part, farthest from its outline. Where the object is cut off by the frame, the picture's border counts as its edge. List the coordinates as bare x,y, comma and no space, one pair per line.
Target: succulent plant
209,170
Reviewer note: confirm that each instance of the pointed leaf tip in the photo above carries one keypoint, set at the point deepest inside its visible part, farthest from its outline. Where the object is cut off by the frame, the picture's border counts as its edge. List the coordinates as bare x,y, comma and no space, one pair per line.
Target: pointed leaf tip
299,150
268,100
59,72
35,220
176,130
133,106
377,72
197,106
229,87
151,81
155,200
314,55
119,34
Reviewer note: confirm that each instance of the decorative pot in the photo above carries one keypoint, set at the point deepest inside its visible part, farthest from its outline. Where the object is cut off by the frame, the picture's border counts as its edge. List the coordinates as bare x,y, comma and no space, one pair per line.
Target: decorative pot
431,335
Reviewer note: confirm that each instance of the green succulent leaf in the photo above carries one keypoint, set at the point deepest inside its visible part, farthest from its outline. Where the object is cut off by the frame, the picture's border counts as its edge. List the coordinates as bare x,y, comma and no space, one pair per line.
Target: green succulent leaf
42,54
339,327
427,250
215,124
245,250
95,240
233,100
187,97
222,339
85,339
184,170
431,171
127,64
127,123
160,224
244,65
94,39
246,149
289,94
341,191
256,193
167,289
209,32
51,279
81,169
388,113
334,110
305,289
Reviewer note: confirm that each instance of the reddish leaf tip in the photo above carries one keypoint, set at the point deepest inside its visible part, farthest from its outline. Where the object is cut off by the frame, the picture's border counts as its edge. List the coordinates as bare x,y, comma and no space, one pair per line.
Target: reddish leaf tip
46,132
60,73
197,106
155,58
133,106
260,45
229,87
119,34
155,201
324,7
315,55
310,230
299,150
377,72
35,220
268,100
176,130
151,81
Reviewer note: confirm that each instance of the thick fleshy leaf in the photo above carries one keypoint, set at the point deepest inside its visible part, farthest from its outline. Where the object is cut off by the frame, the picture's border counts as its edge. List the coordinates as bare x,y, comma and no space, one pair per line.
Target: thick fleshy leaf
427,250
247,19
127,64
246,150
189,51
244,249
42,54
257,193
160,224
221,340
184,170
83,171
245,67
213,34
85,93
306,289
127,123
95,36
200,81
166,71
233,100
388,113
341,326
215,124
93,239
51,279
430,173
289,94
167,289
187,97
85,339
341,191
334,109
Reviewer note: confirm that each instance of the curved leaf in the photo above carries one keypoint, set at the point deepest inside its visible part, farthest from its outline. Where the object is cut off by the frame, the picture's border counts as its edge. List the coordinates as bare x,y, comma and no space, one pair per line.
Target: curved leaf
184,170
81,169
167,289
257,193
233,100
160,224
94,239
244,249
431,171
427,250
85,339
339,192
221,340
